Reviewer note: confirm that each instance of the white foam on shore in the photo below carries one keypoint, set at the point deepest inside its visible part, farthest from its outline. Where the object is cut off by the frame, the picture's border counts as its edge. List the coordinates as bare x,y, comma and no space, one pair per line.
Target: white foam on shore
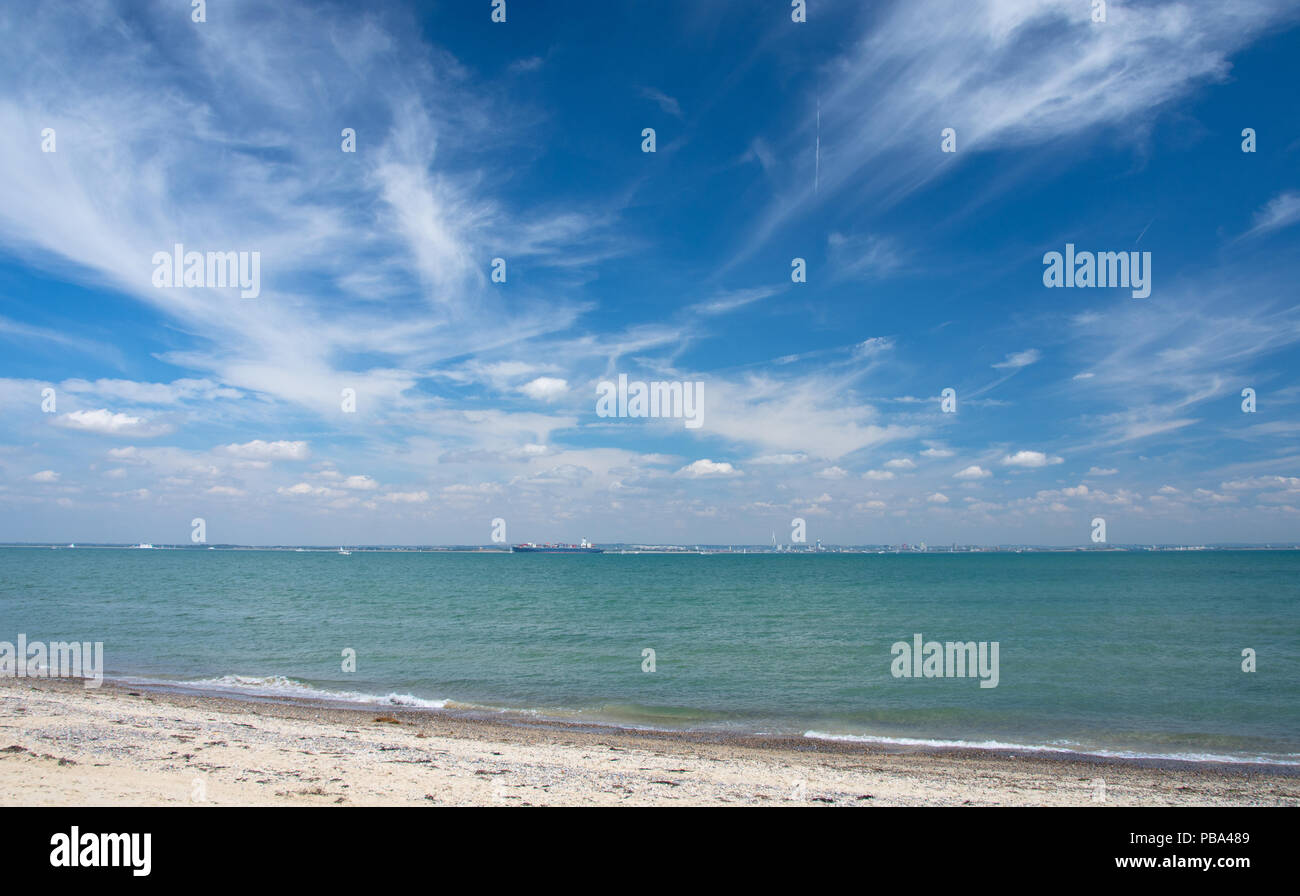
929,743
279,686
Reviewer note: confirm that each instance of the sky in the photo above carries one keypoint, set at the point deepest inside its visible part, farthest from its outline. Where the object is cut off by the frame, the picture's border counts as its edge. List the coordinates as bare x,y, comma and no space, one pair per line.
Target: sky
131,409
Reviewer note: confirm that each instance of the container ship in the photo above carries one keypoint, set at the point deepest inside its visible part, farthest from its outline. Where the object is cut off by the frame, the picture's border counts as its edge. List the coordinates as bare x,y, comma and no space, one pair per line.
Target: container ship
584,548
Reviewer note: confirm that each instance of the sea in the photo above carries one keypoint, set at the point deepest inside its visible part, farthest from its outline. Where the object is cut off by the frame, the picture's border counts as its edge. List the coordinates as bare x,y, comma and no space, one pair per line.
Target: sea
1183,655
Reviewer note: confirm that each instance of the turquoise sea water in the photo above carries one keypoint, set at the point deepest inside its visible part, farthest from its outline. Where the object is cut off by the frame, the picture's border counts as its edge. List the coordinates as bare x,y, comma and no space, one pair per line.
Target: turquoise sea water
1123,652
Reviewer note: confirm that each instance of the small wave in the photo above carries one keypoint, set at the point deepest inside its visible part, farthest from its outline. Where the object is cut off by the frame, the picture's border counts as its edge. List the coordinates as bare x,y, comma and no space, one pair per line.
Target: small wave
279,686
934,743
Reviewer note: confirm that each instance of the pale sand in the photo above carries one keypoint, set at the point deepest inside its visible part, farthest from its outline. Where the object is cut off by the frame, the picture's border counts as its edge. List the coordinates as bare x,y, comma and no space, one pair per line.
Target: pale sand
61,744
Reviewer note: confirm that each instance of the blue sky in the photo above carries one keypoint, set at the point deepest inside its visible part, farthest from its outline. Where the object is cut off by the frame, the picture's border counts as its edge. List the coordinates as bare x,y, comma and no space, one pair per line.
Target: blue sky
775,140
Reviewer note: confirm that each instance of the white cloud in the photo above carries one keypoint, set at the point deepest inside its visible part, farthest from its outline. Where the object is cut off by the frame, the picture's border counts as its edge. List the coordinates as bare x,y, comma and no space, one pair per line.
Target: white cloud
149,393
730,300
106,422
795,414
226,491
974,471
1017,360
832,473
545,388
666,103
706,467
1204,494
859,256
870,348
1030,459
306,488
260,450
1002,74
1287,482
1282,210
45,476
880,475
938,498
406,497
780,459
901,463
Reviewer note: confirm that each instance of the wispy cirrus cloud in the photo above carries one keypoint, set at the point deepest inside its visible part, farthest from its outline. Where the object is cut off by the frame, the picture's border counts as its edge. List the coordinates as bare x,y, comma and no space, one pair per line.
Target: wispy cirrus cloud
1016,360
1001,75
1281,211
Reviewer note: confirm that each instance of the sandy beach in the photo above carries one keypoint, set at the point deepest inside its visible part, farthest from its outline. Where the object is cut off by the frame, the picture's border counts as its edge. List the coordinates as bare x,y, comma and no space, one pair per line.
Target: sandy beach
62,744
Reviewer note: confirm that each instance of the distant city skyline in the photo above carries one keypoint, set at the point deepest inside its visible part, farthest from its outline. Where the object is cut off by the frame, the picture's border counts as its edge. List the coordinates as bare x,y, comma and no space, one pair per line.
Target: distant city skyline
469,270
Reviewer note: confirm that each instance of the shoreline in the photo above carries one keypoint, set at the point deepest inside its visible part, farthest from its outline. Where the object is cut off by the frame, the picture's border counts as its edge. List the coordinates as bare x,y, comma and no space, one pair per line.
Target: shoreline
531,717
63,744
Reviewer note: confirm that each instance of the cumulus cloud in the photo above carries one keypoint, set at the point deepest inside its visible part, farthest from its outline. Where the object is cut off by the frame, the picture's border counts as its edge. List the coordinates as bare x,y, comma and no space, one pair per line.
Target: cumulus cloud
106,422
1288,482
228,491
1030,459
406,497
306,488
545,388
706,467
780,459
974,471
260,450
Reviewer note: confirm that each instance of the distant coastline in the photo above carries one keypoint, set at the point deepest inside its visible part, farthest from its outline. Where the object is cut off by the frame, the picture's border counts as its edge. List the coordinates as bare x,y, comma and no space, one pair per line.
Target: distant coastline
631,548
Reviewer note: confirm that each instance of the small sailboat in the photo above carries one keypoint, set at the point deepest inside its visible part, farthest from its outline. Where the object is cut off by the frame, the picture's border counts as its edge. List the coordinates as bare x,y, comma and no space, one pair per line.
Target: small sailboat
345,553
